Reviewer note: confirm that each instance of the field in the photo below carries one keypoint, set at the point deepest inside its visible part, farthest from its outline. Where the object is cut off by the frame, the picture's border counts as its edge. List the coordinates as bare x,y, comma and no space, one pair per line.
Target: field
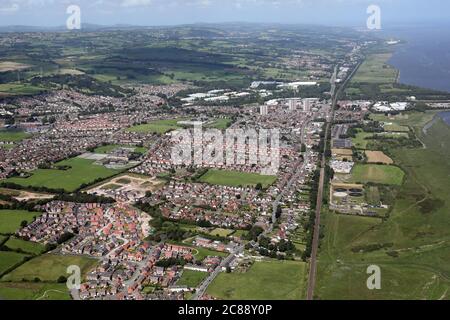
361,141
33,291
220,124
378,157
268,280
375,70
159,127
9,259
221,232
192,279
415,239
392,127
12,136
49,267
82,171
381,174
10,220
236,179
25,246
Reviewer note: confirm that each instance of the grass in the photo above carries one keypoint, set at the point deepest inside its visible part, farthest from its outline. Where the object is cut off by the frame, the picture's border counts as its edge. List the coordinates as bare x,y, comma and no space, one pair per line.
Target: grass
9,260
191,279
18,89
25,246
159,127
33,291
10,220
375,70
220,124
221,232
236,179
268,280
13,136
379,174
82,171
361,141
49,267
417,264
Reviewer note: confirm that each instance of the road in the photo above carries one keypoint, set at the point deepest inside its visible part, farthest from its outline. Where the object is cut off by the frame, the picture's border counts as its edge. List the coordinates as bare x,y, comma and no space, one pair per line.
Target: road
205,284
316,235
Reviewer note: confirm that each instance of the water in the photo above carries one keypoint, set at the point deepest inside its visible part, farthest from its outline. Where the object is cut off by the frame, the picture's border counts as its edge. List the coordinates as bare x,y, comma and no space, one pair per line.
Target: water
445,115
424,60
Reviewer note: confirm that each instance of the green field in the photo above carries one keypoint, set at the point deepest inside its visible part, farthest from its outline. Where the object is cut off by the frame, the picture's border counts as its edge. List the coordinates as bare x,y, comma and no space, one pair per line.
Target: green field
236,179
13,136
10,220
415,260
107,149
33,291
375,70
160,126
9,260
49,267
395,128
361,140
17,89
192,279
268,280
220,124
81,171
25,246
380,174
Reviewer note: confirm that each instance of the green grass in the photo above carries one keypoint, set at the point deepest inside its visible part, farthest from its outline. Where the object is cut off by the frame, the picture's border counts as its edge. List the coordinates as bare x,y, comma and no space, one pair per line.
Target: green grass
380,174
49,267
361,141
15,244
160,126
82,171
10,220
13,136
268,280
395,128
221,232
33,291
417,229
16,89
235,178
10,259
220,124
375,70
192,279
107,149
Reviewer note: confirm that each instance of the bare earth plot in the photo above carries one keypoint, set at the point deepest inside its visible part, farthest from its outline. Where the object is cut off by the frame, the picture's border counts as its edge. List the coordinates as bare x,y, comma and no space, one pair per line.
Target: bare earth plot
378,157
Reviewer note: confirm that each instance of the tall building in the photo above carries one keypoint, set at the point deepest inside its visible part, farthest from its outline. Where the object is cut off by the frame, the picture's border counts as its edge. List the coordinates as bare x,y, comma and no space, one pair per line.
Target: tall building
292,105
264,110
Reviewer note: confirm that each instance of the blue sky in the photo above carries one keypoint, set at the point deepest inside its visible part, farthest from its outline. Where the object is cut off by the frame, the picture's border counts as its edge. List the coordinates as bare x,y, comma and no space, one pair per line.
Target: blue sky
170,12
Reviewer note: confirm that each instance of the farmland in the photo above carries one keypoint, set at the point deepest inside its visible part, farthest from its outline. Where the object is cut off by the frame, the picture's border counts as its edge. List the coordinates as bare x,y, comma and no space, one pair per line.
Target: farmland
16,244
235,179
10,259
48,267
378,157
411,247
10,220
81,171
380,174
33,291
267,280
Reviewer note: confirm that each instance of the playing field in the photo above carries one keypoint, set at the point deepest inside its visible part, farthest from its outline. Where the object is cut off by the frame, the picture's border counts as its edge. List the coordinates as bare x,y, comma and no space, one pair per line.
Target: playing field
15,244
33,291
236,179
9,259
82,171
192,279
10,220
378,157
49,267
12,136
268,280
160,126
381,174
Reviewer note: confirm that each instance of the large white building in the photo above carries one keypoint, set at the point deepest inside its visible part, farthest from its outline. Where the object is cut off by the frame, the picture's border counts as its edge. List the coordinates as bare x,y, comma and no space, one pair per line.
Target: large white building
264,110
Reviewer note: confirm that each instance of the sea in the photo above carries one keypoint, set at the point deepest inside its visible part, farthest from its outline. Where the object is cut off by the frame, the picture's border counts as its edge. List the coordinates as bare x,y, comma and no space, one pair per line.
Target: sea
424,56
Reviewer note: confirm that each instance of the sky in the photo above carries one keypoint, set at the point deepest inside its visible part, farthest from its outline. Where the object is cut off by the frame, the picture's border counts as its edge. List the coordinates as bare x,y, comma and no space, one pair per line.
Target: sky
174,12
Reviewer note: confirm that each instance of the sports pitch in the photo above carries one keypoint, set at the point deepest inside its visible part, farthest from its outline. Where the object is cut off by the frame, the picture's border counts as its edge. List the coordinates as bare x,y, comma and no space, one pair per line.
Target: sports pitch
236,179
